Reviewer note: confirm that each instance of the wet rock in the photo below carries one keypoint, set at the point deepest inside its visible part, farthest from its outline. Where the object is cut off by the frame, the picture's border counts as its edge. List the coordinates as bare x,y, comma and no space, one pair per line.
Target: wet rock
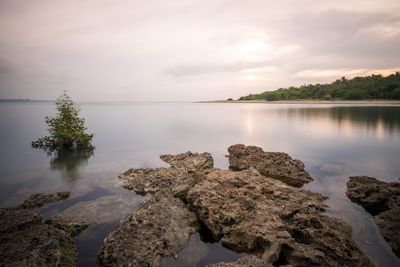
389,223
160,227
189,162
374,195
382,200
70,225
39,200
277,165
13,219
27,240
277,223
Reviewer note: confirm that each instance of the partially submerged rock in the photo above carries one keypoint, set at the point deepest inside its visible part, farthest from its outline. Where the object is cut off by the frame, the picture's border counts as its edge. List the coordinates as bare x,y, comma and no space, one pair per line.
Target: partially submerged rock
159,228
69,225
274,223
35,243
277,165
374,195
106,209
39,200
27,240
189,162
382,200
251,213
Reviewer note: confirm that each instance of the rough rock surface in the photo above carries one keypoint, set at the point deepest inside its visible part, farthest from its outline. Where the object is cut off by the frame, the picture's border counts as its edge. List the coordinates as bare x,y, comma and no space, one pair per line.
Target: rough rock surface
277,165
280,224
27,240
374,195
275,223
177,178
160,227
382,200
189,162
144,181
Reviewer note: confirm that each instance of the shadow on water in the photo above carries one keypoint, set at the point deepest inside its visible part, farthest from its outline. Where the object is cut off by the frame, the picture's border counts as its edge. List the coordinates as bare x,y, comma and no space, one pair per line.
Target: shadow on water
69,162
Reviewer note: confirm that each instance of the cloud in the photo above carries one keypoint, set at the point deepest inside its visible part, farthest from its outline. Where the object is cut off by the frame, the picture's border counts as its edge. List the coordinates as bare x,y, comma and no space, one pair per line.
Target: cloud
189,50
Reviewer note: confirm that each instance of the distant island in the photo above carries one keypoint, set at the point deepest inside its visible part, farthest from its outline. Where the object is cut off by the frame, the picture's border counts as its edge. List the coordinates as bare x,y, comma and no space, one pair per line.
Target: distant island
22,100
374,87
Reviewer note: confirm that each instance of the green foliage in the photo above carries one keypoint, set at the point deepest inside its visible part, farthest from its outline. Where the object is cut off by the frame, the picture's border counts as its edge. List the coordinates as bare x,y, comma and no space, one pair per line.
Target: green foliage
67,130
358,88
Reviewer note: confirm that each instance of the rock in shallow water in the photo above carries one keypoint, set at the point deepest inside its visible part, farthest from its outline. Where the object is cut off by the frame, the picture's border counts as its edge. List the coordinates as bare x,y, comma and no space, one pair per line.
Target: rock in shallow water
27,240
160,227
249,212
278,223
382,200
277,165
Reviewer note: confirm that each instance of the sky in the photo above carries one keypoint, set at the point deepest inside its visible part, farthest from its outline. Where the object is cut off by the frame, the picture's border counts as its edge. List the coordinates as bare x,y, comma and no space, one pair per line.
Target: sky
187,50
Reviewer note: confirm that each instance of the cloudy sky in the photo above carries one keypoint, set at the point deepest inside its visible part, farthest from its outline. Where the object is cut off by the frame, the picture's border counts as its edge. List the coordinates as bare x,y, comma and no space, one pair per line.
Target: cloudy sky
158,50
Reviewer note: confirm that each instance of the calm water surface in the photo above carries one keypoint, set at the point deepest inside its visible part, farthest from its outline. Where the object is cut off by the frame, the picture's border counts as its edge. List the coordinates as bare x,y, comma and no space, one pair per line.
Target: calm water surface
334,142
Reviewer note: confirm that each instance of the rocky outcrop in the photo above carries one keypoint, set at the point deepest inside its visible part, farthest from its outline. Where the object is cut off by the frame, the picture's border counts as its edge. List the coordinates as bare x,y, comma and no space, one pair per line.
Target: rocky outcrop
276,224
160,227
382,200
280,224
177,178
277,165
26,239
189,162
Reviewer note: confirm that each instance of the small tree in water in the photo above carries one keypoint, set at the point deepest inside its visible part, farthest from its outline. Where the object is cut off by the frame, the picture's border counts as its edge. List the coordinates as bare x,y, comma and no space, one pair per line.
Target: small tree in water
67,130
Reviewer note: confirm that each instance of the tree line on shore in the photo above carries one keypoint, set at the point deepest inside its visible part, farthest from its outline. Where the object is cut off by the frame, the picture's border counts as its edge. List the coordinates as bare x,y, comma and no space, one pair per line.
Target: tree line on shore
359,88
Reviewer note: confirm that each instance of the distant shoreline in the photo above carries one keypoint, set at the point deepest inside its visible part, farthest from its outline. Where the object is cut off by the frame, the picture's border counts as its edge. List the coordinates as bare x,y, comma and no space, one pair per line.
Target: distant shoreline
379,102
22,100
388,102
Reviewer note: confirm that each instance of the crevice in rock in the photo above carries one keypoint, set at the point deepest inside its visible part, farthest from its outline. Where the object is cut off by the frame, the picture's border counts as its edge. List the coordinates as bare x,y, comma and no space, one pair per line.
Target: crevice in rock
205,234
283,256
259,246
300,236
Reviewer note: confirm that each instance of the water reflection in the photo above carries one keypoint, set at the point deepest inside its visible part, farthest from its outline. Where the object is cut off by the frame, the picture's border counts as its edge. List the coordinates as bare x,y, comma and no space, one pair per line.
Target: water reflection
377,119
70,162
